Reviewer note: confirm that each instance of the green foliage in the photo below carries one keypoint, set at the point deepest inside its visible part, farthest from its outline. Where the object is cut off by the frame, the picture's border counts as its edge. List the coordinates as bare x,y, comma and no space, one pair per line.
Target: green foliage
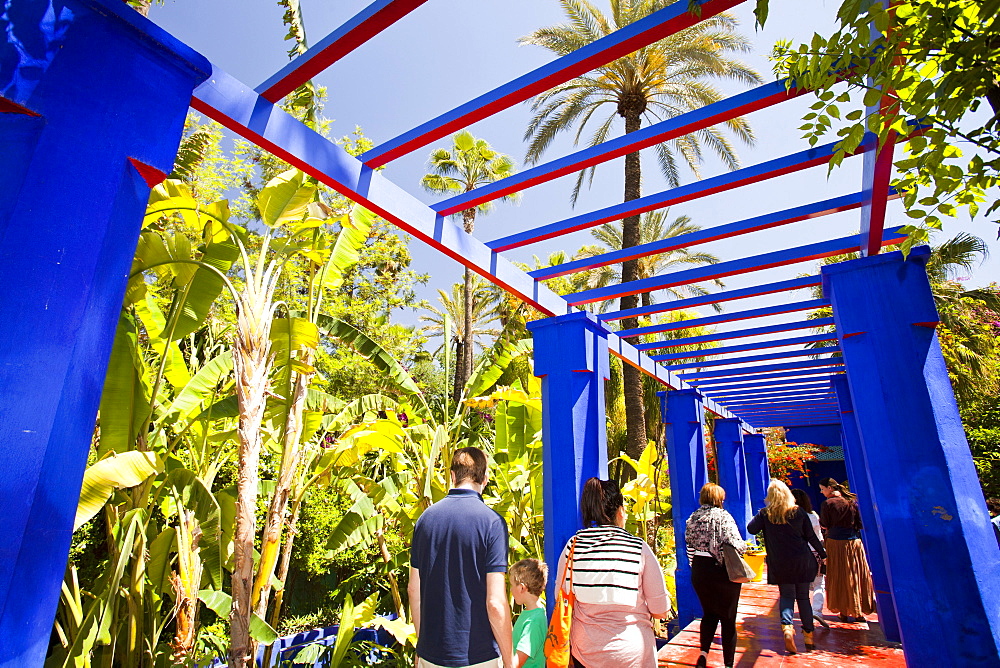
929,61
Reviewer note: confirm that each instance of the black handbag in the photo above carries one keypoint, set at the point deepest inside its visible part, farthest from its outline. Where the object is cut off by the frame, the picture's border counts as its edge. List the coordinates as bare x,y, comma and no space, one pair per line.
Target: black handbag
737,569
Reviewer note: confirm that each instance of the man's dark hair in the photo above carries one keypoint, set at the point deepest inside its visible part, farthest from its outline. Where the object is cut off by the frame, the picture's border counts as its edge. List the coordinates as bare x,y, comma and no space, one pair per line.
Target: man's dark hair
469,464
993,505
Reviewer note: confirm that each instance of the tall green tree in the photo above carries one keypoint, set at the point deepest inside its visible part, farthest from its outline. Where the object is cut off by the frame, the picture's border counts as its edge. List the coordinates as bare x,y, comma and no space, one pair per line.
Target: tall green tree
469,164
665,79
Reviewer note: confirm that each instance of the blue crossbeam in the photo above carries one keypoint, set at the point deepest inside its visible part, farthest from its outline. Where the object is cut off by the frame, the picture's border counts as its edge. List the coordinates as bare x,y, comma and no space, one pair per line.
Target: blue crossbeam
755,358
714,298
779,404
687,123
805,364
751,399
794,162
760,345
753,380
757,223
779,258
725,317
364,25
656,26
808,388
781,384
735,334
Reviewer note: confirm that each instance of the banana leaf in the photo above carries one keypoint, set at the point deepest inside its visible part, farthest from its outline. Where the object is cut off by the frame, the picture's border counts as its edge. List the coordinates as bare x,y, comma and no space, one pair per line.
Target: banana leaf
101,479
125,399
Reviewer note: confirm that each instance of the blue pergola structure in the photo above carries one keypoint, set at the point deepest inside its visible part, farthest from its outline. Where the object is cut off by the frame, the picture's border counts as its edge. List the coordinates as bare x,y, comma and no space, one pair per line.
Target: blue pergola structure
92,102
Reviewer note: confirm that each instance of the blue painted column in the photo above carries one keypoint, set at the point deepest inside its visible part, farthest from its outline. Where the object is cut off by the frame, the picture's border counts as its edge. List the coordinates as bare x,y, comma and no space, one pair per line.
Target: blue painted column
733,470
758,471
93,98
860,480
571,358
682,414
938,539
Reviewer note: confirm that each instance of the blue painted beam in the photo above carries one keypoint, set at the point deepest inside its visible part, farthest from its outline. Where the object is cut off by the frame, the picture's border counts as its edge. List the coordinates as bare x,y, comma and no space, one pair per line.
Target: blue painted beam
768,385
571,358
656,26
714,298
801,282
779,309
692,121
820,389
755,358
804,364
820,374
768,408
779,400
766,221
759,345
779,258
758,472
360,28
788,164
732,469
735,334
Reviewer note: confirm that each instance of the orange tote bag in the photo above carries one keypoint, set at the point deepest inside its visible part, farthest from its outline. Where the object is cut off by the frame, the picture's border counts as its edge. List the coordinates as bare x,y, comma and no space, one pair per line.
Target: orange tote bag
557,653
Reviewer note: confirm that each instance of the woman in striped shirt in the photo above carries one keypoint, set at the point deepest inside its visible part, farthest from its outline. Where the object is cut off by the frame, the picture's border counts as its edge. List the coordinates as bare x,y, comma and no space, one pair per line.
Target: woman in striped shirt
618,585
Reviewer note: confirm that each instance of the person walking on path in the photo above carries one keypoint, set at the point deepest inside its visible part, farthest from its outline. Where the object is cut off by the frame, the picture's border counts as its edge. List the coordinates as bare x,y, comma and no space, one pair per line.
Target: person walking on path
817,590
528,578
618,585
849,589
457,589
788,535
707,530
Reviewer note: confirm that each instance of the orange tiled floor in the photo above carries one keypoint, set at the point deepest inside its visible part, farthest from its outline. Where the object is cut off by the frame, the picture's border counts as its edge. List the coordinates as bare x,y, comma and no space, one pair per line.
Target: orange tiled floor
760,642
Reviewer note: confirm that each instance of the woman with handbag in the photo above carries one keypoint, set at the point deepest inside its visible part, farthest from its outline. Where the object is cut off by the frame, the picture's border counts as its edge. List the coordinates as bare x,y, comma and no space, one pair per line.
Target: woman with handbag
788,536
849,587
709,532
614,584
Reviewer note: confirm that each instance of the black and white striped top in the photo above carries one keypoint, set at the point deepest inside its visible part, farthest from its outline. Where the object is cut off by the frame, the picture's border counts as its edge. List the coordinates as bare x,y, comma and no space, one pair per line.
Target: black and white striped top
606,565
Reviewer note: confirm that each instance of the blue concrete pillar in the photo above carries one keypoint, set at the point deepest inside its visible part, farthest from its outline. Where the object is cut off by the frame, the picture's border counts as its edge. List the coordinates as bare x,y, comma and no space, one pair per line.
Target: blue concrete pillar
571,358
93,98
942,558
730,457
682,417
758,471
860,480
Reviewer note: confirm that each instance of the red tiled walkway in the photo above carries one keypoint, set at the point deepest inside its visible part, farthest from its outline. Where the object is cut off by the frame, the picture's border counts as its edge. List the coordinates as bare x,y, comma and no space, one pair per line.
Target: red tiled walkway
761,645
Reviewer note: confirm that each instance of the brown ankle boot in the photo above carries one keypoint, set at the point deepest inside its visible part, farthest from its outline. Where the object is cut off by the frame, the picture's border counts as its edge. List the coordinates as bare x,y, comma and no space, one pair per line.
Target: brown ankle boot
789,631
808,637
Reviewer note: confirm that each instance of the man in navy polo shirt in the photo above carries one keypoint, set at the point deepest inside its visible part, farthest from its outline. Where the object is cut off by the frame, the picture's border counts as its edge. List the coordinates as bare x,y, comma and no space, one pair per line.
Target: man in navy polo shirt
458,592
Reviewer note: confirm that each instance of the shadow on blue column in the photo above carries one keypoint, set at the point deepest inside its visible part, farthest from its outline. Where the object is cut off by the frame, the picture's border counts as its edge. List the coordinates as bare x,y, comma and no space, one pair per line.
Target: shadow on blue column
942,558
860,483
732,470
758,471
682,414
571,358
90,89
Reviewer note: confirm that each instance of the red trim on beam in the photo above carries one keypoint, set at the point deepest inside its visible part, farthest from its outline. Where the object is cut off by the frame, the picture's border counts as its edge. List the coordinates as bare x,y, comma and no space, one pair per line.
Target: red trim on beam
11,107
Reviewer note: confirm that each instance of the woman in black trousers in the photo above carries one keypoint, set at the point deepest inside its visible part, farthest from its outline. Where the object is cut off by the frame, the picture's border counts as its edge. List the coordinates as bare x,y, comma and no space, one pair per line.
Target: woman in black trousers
788,536
708,529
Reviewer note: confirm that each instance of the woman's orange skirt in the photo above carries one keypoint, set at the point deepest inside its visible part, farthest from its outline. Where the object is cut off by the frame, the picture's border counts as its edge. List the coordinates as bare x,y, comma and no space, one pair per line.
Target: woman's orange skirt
849,588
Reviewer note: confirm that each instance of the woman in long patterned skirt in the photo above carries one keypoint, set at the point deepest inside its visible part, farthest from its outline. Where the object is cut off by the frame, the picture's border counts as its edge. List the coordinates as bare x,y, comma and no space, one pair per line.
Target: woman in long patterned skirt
849,589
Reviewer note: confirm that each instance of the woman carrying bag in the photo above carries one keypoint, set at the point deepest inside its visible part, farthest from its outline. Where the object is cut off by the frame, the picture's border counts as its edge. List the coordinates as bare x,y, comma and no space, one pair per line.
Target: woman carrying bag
708,532
614,584
788,537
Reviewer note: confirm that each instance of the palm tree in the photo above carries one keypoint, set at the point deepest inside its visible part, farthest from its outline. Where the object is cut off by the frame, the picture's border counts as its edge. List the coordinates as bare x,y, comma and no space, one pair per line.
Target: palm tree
483,303
652,227
659,81
471,163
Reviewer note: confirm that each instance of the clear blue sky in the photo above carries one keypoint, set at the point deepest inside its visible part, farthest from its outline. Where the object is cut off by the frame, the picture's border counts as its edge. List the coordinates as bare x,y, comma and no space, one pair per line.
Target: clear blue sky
447,52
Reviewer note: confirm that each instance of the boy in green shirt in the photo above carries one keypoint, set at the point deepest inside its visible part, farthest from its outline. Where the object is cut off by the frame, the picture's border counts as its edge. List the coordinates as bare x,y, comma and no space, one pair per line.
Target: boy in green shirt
527,582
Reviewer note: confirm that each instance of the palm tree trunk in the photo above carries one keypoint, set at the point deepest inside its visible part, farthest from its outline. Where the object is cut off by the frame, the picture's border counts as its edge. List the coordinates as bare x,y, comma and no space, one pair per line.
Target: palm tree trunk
469,222
456,390
635,418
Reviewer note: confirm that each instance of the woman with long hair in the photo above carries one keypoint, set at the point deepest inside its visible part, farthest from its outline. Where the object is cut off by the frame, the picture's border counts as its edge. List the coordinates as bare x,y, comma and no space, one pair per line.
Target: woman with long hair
788,535
708,529
817,590
618,585
849,589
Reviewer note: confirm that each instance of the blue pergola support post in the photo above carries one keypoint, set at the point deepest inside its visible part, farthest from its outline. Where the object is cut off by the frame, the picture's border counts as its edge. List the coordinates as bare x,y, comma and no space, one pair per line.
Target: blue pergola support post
571,358
758,471
729,454
110,91
682,417
861,484
938,540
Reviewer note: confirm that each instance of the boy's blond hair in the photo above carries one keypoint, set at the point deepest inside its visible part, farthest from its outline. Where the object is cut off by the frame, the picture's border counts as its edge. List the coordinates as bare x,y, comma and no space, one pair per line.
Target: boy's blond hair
532,573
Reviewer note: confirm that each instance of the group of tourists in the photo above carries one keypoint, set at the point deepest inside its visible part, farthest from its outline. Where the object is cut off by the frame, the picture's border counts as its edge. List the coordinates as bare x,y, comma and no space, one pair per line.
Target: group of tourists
458,590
